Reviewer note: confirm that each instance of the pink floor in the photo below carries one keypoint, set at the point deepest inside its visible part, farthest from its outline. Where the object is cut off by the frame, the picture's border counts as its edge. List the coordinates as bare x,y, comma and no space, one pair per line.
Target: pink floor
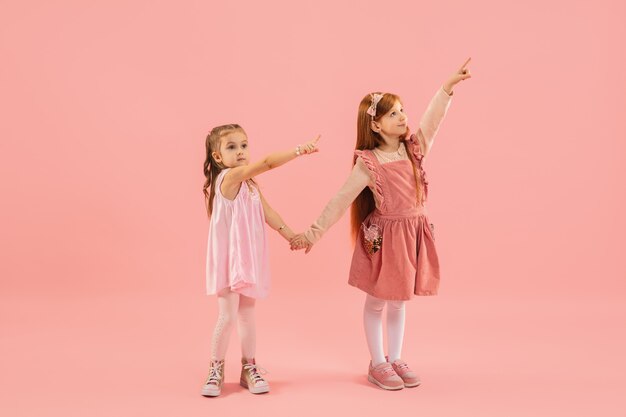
138,355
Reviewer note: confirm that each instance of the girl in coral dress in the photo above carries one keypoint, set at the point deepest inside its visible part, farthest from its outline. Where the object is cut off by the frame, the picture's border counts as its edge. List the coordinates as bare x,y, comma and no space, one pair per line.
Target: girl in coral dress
395,256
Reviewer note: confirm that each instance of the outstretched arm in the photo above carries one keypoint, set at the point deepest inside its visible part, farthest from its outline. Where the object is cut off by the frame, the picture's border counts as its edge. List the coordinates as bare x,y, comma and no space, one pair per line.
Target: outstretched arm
438,107
237,175
359,179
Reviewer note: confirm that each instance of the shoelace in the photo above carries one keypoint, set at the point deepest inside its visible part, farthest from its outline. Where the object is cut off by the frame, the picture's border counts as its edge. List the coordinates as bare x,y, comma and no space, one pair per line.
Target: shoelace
403,366
388,370
215,375
253,371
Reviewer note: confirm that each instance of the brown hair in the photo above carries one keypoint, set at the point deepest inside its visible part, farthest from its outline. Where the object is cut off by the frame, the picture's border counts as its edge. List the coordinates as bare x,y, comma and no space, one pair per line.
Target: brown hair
366,138
212,168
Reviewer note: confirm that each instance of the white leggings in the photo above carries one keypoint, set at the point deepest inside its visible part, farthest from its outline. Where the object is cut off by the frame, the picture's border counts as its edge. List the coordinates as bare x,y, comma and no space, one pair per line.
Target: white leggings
373,322
233,306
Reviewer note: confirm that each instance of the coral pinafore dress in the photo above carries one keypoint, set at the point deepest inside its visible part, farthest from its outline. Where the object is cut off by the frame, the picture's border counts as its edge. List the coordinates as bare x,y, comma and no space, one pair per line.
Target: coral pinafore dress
395,256
237,250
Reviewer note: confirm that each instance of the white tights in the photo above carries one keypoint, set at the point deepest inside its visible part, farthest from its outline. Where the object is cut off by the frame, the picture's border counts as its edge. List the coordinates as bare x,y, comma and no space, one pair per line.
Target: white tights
233,306
373,322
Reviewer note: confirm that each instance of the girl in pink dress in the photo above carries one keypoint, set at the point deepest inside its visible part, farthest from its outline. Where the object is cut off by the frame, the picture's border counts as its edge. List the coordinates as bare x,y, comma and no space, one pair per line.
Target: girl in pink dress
394,256
237,253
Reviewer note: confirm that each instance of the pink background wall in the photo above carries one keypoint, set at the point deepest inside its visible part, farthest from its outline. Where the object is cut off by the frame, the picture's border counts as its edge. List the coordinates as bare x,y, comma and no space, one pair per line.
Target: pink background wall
105,106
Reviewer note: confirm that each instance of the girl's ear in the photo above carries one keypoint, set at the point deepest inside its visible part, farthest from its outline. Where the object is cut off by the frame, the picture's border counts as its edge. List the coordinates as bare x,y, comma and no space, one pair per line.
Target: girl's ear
216,156
375,126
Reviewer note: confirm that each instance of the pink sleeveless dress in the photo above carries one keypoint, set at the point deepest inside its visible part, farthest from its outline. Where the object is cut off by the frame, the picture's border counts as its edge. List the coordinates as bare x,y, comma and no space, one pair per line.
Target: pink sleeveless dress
405,262
237,250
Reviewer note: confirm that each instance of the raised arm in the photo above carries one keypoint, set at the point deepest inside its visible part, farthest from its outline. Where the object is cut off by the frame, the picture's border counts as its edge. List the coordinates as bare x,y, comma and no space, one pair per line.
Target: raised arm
436,111
432,118
237,175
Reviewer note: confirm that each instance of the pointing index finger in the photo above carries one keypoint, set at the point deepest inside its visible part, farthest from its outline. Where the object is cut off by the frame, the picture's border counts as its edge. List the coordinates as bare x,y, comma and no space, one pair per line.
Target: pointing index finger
466,62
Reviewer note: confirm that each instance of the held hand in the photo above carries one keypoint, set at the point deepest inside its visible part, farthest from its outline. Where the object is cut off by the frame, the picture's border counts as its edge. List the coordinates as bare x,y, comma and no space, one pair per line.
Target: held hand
293,242
300,242
462,74
308,248
311,146
297,242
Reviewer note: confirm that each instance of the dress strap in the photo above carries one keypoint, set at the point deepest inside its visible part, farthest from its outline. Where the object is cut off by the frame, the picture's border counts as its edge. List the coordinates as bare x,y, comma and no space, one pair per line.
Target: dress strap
372,165
415,151
218,182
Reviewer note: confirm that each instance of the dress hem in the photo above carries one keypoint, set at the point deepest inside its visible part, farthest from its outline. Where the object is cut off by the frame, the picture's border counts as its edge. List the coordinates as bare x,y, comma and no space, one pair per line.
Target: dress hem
370,292
240,291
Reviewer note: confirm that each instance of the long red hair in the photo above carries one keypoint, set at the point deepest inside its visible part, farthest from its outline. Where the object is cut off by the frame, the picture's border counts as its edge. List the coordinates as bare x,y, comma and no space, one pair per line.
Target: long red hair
366,138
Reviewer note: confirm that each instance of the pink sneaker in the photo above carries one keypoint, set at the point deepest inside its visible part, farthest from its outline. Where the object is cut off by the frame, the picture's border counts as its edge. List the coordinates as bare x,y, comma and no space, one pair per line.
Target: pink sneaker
251,377
384,376
409,377
213,385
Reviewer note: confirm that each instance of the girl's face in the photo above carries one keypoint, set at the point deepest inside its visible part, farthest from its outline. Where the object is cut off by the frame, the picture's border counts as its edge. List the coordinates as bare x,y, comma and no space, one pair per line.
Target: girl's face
233,150
393,123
